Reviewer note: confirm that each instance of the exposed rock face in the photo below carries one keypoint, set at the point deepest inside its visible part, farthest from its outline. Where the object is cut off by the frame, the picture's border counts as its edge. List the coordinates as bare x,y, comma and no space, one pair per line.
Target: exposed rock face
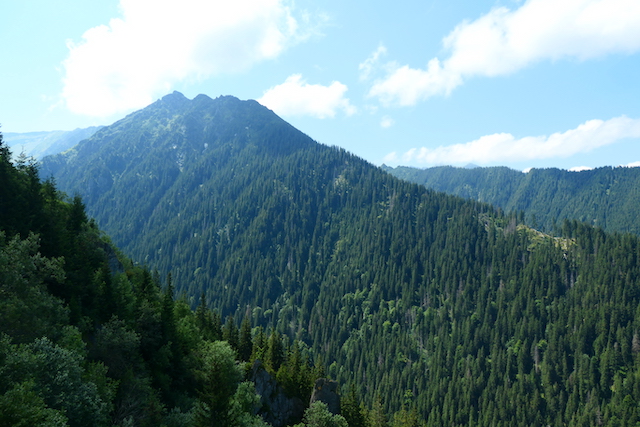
276,408
327,391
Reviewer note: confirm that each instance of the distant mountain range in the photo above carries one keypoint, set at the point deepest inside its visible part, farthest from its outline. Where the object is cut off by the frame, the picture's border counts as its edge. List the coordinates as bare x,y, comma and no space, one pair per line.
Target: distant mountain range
41,144
606,197
448,310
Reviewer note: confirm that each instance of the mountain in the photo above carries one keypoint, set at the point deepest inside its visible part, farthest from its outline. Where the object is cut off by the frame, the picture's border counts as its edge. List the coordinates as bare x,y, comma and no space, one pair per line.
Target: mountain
434,307
41,144
606,197
87,339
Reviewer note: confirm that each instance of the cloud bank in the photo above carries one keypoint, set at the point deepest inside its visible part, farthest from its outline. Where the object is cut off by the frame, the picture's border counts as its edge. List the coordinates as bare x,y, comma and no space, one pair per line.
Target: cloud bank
504,41
156,43
504,147
296,97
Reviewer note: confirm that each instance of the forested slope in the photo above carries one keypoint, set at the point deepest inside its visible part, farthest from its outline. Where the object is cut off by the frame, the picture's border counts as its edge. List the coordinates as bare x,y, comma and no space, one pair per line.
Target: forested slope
606,197
89,339
448,311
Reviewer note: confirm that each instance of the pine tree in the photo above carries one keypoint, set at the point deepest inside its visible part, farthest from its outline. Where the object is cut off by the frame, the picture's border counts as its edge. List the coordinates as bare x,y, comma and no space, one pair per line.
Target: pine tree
275,353
245,344
218,378
377,417
351,408
230,333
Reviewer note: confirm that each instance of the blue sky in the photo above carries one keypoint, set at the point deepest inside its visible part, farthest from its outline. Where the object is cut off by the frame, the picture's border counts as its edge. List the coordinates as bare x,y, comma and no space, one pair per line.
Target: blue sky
536,83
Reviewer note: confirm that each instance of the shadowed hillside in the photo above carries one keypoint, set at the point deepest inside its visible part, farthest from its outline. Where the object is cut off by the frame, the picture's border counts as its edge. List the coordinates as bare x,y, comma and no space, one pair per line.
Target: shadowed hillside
605,197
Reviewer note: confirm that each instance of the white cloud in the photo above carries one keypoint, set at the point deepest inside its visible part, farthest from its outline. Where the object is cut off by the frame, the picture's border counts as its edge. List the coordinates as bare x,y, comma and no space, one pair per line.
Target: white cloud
391,158
156,43
387,122
296,97
504,147
369,64
406,86
504,41
633,165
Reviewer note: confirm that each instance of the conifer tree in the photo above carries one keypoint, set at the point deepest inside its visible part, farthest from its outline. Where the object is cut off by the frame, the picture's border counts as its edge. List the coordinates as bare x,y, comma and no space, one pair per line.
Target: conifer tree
275,352
351,408
218,378
377,417
230,333
259,348
245,344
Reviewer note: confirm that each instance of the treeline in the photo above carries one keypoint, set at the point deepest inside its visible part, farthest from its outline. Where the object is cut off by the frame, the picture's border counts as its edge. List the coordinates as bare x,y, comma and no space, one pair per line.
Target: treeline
606,197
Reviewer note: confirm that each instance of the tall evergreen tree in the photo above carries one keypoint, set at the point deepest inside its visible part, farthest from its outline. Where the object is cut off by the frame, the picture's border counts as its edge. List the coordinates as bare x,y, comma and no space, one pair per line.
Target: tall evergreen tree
245,343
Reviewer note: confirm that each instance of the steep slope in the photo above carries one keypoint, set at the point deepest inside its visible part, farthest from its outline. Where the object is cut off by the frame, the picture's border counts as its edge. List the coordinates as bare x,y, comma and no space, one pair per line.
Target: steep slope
606,197
435,303
89,340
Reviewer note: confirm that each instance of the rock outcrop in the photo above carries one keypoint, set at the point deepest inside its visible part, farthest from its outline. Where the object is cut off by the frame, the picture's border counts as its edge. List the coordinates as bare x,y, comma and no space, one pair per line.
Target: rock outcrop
327,391
276,407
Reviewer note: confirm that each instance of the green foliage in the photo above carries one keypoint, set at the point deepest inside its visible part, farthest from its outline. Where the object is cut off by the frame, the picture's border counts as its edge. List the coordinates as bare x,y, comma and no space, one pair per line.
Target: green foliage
484,320
86,338
406,418
605,197
27,310
43,381
296,373
243,406
376,416
317,415
21,406
218,377
275,354
208,322
231,334
245,344
118,347
351,408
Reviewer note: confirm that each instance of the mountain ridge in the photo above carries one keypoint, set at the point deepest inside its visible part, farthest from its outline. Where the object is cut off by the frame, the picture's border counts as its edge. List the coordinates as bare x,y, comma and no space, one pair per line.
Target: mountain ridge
443,306
606,197
41,144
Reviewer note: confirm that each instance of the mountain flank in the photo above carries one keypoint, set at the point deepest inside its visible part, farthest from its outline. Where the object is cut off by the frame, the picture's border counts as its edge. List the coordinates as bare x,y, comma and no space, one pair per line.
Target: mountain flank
438,309
87,338
606,197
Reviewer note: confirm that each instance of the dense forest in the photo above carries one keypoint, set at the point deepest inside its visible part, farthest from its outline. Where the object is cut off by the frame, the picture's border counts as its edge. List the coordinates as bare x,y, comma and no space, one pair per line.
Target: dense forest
89,339
426,307
606,197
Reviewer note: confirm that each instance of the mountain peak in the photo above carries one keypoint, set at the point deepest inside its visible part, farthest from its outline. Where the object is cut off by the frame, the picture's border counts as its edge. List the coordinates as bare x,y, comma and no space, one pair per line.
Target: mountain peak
174,99
173,95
